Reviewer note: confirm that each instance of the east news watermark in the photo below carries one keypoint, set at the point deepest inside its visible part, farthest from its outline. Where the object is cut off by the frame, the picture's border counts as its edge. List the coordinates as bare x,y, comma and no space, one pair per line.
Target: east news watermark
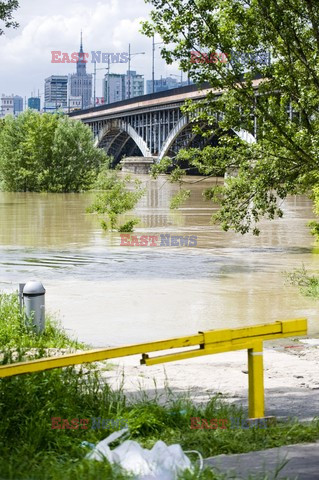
94,423
196,423
57,56
162,240
97,56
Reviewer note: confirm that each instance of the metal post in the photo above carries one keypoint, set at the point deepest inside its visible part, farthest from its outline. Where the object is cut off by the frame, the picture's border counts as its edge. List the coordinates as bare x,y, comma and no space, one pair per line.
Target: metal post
108,80
94,103
256,402
153,55
34,302
129,70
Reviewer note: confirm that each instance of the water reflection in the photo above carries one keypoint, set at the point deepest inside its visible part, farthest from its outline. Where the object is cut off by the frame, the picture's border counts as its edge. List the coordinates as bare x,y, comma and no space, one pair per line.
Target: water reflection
110,294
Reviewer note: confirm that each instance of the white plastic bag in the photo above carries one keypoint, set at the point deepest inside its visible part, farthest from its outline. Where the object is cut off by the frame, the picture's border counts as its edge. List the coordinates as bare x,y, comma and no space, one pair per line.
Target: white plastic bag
162,462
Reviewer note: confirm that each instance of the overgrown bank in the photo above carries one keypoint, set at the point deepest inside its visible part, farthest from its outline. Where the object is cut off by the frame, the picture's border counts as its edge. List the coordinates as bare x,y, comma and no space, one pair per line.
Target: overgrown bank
31,449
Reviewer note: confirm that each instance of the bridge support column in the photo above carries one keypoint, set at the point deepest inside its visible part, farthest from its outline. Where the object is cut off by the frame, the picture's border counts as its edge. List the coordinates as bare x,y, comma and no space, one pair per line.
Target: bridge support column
138,165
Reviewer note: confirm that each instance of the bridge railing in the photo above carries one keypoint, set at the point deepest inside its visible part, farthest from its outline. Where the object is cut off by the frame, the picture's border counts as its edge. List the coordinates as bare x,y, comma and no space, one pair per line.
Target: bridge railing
206,343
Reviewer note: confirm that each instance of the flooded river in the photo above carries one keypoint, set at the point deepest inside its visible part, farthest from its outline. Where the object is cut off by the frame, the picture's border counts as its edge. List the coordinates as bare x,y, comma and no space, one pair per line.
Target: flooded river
107,294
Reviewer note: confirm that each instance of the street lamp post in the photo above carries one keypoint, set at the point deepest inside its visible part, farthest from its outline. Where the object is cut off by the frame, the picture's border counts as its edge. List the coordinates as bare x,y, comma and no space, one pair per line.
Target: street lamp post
153,61
129,67
174,75
108,81
153,55
129,70
94,103
108,74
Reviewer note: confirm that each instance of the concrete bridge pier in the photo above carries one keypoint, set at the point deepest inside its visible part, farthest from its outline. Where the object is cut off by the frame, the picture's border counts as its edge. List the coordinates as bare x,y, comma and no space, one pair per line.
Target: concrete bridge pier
139,165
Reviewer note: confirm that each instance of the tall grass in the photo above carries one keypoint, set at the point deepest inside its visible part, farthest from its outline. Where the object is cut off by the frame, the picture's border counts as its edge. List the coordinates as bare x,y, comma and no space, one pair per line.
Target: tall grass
30,449
16,333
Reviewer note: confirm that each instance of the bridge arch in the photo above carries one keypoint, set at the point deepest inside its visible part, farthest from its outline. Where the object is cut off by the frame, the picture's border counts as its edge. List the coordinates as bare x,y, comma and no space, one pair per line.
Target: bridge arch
119,127
172,136
183,123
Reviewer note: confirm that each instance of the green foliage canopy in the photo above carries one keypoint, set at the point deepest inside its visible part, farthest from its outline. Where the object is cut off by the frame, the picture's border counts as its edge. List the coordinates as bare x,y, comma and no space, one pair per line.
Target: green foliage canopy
283,111
47,152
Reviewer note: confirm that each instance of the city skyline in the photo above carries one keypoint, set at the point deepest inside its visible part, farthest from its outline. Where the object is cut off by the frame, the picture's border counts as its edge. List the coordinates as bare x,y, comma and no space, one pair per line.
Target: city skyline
26,51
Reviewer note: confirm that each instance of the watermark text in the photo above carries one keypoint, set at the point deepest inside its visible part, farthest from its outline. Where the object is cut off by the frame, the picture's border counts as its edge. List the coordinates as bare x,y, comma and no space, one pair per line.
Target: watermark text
58,423
198,423
162,240
96,57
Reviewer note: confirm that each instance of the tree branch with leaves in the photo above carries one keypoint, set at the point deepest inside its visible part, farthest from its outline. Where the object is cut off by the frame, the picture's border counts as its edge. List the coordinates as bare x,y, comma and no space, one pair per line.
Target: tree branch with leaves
278,100
6,14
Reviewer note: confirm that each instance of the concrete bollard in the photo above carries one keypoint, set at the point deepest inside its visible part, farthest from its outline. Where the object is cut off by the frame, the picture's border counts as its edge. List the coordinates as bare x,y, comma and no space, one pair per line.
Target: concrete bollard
34,303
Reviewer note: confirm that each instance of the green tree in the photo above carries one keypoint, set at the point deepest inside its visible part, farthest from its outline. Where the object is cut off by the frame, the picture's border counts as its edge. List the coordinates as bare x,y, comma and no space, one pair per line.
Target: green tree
47,153
6,10
116,196
75,159
283,110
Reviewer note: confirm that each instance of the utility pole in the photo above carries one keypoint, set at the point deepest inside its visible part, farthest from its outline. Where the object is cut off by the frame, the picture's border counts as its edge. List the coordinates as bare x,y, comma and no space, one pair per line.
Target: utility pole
153,62
108,73
153,55
108,81
129,70
94,103
129,67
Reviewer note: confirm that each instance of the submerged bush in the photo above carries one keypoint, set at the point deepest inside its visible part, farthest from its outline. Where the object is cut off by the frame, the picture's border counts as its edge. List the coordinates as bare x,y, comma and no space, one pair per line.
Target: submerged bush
308,284
116,196
47,153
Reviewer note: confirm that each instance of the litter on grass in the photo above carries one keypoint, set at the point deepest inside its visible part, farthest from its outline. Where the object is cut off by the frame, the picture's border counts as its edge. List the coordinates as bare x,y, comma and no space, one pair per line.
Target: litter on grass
162,462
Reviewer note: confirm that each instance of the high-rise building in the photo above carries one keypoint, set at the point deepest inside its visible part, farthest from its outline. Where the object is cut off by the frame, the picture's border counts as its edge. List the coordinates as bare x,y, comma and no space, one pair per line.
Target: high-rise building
134,83
7,105
55,93
17,104
80,83
11,105
116,86
34,103
162,84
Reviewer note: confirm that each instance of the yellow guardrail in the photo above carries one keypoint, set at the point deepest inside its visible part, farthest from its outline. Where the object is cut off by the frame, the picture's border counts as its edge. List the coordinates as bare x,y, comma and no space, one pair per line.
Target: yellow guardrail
208,342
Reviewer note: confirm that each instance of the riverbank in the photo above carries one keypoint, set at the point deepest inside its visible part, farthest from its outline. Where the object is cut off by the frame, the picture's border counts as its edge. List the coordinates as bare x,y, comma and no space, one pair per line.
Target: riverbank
291,378
43,412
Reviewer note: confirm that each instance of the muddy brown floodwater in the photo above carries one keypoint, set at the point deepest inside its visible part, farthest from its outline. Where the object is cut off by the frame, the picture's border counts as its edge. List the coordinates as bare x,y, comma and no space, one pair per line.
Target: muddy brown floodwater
107,294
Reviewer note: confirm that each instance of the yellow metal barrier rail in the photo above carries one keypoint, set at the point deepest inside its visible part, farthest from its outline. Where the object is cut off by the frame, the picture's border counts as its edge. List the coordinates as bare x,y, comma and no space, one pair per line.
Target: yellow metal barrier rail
209,342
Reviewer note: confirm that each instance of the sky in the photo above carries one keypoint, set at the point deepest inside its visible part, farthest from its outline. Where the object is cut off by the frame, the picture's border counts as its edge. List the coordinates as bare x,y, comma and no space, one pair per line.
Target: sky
55,25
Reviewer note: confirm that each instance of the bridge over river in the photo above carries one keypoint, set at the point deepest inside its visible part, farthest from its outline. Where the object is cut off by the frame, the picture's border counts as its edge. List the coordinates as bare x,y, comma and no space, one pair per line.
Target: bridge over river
150,126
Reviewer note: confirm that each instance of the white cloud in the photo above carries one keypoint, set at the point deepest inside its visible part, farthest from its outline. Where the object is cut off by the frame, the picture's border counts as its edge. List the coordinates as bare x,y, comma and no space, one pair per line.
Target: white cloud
55,25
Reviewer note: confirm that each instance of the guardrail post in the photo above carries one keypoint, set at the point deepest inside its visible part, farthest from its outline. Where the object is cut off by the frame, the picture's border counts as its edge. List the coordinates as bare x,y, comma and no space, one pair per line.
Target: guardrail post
256,402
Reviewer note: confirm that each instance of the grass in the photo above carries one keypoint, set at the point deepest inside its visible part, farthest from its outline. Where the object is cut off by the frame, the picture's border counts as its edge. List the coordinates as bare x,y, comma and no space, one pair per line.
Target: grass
31,450
29,444
15,332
